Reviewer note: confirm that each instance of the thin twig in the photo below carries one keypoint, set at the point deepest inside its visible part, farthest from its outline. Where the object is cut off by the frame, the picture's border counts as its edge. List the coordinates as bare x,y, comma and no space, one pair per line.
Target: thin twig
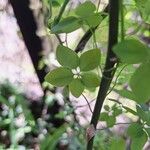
88,103
116,80
58,18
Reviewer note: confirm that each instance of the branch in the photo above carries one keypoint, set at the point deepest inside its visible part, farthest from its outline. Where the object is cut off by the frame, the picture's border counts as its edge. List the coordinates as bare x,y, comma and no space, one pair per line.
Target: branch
110,63
88,34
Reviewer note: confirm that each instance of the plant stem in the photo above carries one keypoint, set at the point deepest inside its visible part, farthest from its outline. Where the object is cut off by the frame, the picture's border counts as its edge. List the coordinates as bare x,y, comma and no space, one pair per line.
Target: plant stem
61,12
110,63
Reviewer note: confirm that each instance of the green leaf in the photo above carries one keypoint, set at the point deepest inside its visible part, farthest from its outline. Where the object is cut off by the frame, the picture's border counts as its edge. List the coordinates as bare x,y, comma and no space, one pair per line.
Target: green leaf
93,20
139,142
143,7
90,79
135,130
106,107
144,115
117,142
76,87
126,93
90,60
67,57
131,51
140,83
59,77
67,25
51,140
104,116
111,121
85,9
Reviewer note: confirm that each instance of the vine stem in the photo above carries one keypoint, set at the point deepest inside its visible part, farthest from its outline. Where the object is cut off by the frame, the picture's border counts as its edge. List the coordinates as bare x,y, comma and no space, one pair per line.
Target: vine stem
57,19
111,60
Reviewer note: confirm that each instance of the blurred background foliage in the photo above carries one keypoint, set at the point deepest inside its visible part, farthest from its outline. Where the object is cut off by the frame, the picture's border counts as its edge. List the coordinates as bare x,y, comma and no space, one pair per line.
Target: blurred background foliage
36,115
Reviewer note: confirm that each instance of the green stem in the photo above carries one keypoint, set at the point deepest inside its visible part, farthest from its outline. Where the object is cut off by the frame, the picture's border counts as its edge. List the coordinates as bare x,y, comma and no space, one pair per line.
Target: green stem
110,63
61,12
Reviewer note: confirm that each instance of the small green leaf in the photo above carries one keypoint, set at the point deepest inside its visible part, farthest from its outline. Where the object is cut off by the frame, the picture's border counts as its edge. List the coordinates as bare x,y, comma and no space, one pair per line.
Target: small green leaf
67,25
144,115
93,20
143,7
131,51
67,57
85,9
104,116
126,93
111,121
90,79
135,130
140,83
59,77
90,60
76,87
106,107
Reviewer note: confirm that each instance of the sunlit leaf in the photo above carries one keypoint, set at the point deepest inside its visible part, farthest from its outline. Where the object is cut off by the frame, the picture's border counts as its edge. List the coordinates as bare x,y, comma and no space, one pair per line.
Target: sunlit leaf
67,57
76,87
59,77
90,79
89,60
93,20
131,51
85,9
67,25
140,83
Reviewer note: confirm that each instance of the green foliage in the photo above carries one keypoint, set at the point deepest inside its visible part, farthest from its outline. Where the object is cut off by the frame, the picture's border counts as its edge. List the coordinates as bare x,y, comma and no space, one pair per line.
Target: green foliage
52,140
117,142
76,87
67,25
85,15
78,78
144,115
85,9
140,83
90,79
66,57
131,51
139,137
89,60
126,93
59,77
143,7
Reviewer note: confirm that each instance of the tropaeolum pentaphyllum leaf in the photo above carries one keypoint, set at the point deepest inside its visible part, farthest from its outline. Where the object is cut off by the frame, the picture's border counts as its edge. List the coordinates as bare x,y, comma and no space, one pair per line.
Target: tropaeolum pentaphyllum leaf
75,70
